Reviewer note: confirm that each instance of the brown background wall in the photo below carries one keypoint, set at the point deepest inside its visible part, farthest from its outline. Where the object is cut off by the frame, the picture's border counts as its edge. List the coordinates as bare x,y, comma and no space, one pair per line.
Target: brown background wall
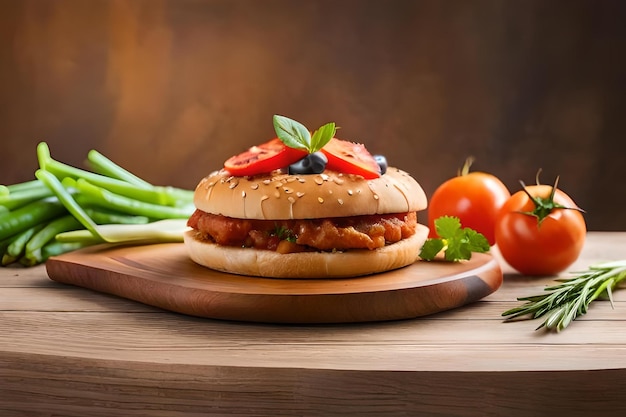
170,89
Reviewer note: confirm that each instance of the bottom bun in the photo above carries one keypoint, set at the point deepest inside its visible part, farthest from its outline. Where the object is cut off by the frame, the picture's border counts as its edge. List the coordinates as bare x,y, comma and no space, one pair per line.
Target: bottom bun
266,263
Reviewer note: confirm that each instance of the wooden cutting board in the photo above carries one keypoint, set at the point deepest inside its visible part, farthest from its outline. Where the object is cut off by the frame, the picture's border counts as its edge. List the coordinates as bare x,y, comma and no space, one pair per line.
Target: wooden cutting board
162,275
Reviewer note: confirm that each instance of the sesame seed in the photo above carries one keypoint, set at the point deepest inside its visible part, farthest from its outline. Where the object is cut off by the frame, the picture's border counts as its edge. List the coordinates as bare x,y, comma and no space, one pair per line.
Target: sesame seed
243,194
233,184
291,199
319,180
287,190
320,199
254,186
266,182
375,196
299,194
340,201
350,192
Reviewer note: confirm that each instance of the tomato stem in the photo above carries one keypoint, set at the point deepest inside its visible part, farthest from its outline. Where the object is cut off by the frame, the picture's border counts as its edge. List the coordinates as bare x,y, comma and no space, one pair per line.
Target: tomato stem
537,182
545,206
466,166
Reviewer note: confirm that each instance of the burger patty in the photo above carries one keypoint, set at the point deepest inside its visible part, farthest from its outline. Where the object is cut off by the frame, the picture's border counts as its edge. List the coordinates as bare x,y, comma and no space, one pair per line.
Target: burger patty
337,233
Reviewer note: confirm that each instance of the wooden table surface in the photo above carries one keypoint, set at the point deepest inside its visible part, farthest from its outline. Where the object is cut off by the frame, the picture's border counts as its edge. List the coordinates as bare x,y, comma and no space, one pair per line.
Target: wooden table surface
68,351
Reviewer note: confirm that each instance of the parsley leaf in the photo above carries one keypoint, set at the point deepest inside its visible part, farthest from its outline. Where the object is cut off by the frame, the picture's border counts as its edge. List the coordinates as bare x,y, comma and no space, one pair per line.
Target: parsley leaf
283,233
457,243
295,135
431,248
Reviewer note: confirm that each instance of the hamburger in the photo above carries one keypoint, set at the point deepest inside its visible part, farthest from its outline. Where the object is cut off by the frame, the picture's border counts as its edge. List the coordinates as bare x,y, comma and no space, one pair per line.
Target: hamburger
347,217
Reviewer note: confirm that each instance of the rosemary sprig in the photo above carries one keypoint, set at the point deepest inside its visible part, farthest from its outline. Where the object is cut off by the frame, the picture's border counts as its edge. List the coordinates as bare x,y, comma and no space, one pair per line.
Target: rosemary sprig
565,302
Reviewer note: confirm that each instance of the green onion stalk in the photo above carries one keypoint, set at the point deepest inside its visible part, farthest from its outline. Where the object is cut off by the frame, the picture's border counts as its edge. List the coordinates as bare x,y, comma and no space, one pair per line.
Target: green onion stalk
66,208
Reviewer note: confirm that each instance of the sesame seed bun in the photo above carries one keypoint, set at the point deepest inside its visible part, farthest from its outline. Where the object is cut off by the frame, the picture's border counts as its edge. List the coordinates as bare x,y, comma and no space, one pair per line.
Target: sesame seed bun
279,196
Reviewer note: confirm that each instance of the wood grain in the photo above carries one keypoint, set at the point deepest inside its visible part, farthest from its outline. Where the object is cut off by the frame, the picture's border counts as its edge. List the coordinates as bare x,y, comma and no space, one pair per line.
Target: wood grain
142,389
164,276
68,351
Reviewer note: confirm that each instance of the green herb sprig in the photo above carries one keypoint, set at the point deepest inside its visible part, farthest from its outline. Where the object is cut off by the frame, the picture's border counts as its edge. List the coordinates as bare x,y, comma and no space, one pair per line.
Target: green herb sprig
565,302
457,242
295,135
283,233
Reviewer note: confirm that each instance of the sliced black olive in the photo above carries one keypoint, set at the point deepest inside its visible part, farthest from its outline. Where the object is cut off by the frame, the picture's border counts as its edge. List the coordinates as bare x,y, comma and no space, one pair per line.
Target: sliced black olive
382,163
313,163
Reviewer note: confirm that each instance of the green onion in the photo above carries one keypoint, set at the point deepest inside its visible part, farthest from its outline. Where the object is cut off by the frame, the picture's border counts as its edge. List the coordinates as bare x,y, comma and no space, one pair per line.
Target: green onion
103,165
66,208
18,244
100,216
24,186
48,233
90,194
170,230
20,197
68,201
29,215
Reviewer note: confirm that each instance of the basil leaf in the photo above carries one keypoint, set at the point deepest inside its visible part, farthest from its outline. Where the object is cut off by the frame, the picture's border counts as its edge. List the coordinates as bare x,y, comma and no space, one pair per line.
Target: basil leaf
322,136
292,133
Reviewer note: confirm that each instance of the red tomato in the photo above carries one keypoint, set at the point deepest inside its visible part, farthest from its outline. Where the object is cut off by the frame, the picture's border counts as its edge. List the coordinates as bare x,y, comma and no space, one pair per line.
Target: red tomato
263,158
474,197
350,158
540,247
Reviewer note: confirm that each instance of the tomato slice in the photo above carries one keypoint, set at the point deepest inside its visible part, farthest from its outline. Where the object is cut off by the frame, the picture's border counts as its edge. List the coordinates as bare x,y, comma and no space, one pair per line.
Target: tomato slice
350,158
263,158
